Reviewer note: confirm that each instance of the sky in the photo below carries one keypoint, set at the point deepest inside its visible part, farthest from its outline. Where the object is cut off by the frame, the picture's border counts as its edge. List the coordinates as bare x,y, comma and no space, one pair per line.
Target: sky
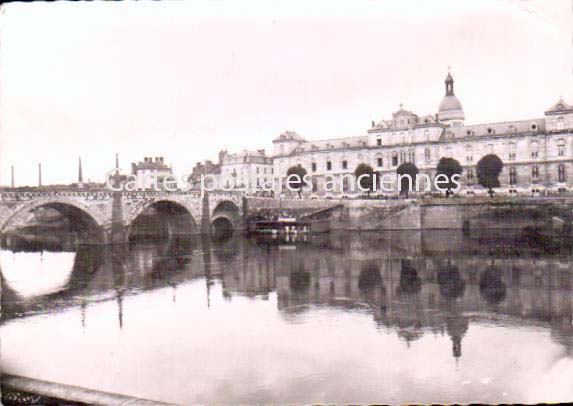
184,80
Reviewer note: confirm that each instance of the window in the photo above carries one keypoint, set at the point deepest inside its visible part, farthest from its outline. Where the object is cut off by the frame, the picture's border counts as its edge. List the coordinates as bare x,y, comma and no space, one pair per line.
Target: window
380,161
470,176
535,172
394,158
427,155
512,150
560,125
257,170
469,153
561,174
534,147
402,156
412,156
265,171
314,185
328,165
345,164
345,184
512,176
490,130
561,147
379,142
534,127
427,135
313,166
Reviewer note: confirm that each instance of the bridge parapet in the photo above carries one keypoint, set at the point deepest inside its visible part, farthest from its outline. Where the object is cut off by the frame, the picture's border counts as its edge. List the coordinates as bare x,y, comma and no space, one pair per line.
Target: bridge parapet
114,210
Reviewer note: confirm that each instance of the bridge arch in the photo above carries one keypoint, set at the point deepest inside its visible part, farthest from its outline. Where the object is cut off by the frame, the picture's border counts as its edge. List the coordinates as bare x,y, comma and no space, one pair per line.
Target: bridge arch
161,218
69,208
225,219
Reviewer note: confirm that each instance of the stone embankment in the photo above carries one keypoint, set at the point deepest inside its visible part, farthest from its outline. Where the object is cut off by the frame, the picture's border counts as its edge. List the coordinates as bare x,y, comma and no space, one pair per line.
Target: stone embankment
371,214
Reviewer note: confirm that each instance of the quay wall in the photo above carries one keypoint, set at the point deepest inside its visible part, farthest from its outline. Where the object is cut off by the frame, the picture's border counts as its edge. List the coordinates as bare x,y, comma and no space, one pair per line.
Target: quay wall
446,214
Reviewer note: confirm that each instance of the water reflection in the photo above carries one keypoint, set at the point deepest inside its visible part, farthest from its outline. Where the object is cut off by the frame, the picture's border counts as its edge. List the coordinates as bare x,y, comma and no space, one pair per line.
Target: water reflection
417,293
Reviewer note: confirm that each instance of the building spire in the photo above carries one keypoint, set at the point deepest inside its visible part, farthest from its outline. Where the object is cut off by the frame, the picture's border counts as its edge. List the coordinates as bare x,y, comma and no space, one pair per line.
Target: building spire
12,177
116,161
39,175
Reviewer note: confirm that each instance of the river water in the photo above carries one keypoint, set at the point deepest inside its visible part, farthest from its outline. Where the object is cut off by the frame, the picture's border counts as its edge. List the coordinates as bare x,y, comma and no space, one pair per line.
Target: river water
394,317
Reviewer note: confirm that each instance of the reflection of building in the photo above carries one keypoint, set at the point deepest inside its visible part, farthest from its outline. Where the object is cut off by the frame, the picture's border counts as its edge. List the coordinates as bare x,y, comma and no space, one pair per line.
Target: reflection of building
402,288
535,292
534,152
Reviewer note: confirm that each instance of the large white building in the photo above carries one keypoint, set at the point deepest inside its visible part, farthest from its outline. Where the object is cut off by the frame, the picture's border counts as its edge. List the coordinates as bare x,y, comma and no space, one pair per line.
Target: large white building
247,170
537,154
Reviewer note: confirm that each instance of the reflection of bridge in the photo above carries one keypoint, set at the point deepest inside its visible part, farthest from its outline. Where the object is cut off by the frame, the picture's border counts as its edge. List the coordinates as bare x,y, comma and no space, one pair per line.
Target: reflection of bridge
408,289
112,215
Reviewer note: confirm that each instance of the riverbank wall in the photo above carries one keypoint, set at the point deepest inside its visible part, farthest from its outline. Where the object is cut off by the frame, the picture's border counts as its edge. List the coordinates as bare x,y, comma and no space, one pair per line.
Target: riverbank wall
456,214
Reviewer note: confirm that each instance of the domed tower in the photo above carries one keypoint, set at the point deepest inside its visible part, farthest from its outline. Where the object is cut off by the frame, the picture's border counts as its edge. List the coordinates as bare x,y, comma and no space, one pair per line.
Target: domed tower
450,110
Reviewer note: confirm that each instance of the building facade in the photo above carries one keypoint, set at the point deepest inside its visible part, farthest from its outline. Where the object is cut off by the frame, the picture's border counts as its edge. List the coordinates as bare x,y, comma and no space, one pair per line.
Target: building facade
248,171
537,154
150,172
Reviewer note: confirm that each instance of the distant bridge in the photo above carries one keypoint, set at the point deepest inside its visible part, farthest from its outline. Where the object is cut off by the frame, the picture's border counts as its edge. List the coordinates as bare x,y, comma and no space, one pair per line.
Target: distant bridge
110,217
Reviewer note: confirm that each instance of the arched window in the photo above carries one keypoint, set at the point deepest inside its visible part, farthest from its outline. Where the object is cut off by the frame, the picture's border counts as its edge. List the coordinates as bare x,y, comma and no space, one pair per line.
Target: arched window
561,147
512,150
561,173
379,160
394,158
534,148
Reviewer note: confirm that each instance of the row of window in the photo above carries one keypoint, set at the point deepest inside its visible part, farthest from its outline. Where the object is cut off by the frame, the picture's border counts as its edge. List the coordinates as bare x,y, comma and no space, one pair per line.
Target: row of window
561,174
265,170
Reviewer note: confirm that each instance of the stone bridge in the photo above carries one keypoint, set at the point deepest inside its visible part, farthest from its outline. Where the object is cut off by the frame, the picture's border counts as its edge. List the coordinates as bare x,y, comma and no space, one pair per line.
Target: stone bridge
114,213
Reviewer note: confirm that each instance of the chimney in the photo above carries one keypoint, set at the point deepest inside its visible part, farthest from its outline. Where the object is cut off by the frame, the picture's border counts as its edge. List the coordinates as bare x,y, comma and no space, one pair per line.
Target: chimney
80,174
12,168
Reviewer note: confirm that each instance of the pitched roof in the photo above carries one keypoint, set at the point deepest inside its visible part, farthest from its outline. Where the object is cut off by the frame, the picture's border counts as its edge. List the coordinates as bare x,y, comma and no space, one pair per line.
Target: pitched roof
560,107
289,135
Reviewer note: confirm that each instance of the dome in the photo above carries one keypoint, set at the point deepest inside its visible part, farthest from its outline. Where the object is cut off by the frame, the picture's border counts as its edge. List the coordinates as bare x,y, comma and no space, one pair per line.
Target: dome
449,103
450,107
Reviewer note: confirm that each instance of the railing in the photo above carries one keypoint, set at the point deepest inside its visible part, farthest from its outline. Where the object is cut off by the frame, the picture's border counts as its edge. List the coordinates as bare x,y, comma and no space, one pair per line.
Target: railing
14,195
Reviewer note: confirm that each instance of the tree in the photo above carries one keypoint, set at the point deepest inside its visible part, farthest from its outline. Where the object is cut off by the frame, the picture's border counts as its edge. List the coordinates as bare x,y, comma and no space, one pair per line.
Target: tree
365,177
488,170
449,167
297,182
409,169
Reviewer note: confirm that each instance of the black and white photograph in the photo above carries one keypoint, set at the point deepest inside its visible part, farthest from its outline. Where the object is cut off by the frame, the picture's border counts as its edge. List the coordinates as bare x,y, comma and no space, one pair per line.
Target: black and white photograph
268,203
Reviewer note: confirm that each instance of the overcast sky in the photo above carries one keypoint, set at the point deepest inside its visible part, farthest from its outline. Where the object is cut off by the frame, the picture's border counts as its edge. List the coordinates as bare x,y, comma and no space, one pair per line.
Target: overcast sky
186,79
